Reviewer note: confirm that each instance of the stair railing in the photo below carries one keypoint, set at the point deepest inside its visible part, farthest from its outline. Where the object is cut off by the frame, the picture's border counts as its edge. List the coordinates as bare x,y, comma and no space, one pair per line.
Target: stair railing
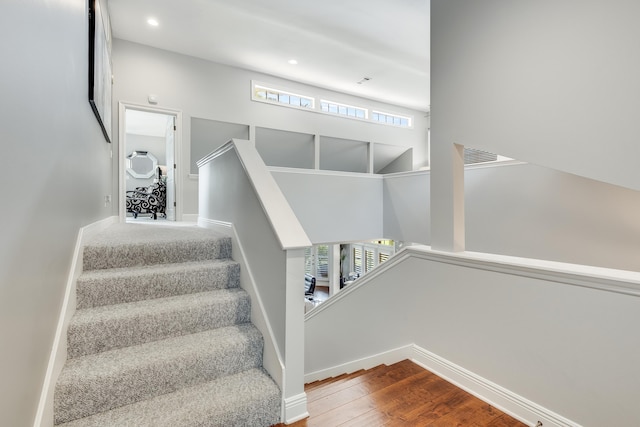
238,195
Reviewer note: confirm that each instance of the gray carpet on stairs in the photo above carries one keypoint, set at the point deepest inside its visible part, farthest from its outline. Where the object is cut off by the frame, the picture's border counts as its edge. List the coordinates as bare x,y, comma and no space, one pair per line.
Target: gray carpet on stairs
162,336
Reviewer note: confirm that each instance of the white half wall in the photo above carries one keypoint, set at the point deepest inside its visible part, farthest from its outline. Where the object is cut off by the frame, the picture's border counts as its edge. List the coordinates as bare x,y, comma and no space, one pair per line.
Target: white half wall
334,207
549,333
407,207
535,212
550,82
526,210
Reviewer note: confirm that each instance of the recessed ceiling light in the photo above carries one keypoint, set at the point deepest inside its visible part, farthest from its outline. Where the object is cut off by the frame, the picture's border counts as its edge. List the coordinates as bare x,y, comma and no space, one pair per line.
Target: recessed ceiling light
153,22
293,62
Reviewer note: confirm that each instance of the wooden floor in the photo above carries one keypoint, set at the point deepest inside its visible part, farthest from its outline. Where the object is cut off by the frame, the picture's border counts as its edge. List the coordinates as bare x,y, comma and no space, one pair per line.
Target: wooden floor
403,394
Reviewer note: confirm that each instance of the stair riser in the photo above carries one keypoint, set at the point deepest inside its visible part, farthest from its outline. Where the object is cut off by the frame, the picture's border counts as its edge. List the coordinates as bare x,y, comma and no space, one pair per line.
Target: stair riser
118,288
90,394
102,334
102,257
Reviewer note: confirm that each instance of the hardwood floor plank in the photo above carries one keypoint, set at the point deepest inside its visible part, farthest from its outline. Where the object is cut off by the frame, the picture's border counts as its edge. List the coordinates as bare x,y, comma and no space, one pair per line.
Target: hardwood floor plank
400,395
365,388
346,382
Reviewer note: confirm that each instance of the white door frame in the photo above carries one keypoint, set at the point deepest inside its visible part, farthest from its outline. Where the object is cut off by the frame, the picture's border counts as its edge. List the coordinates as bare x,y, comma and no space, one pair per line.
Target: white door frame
122,117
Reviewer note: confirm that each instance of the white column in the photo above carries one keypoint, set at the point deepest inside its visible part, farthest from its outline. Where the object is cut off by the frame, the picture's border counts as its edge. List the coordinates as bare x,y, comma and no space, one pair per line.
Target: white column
294,396
447,195
334,270
316,148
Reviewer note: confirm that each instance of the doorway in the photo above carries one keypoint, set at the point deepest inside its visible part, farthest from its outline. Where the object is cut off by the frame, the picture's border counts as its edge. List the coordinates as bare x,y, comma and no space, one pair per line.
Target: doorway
148,148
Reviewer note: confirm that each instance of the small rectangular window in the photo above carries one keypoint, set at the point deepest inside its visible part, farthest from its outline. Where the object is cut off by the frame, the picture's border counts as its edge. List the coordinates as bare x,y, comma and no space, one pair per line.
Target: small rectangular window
391,119
304,102
281,97
350,111
357,261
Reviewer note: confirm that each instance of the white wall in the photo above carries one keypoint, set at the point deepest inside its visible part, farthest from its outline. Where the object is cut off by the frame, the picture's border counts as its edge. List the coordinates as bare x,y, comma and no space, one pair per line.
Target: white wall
56,171
334,207
566,348
550,82
407,209
212,91
536,212
528,211
208,135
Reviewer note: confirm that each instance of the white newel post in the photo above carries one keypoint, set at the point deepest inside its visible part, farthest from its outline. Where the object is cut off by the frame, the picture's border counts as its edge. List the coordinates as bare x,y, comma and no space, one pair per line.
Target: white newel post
295,398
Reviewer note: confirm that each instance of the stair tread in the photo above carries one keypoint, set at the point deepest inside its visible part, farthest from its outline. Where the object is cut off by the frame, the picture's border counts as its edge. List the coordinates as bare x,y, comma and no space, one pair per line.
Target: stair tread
120,285
127,245
138,355
102,328
253,394
114,378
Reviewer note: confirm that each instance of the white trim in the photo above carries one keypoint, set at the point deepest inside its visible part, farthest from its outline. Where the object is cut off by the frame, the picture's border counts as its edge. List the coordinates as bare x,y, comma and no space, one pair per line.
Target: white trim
301,171
493,164
295,408
177,155
272,359
58,354
385,358
503,399
604,279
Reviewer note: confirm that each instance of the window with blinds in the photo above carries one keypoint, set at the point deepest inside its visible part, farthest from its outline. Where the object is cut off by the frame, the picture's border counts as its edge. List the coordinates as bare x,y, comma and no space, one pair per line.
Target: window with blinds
369,260
322,262
357,260
308,260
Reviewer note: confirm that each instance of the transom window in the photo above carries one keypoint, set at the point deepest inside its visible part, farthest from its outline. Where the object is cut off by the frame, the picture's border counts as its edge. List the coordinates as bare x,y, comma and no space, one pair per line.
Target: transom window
269,94
266,94
391,119
343,109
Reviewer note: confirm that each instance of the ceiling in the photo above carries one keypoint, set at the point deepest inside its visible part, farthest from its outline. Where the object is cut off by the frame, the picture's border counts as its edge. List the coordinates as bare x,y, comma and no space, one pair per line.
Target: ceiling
336,42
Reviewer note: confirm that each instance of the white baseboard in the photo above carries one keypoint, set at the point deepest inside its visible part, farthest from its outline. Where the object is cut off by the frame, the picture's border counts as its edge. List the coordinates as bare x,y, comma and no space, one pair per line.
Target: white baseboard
295,408
386,358
58,355
517,406
511,403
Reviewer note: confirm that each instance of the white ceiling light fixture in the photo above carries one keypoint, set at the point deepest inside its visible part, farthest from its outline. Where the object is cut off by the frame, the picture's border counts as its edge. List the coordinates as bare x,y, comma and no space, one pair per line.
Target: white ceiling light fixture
153,22
293,62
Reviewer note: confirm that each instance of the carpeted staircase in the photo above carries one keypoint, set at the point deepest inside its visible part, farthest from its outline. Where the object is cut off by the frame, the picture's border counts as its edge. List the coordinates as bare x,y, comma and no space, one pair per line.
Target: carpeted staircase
162,336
